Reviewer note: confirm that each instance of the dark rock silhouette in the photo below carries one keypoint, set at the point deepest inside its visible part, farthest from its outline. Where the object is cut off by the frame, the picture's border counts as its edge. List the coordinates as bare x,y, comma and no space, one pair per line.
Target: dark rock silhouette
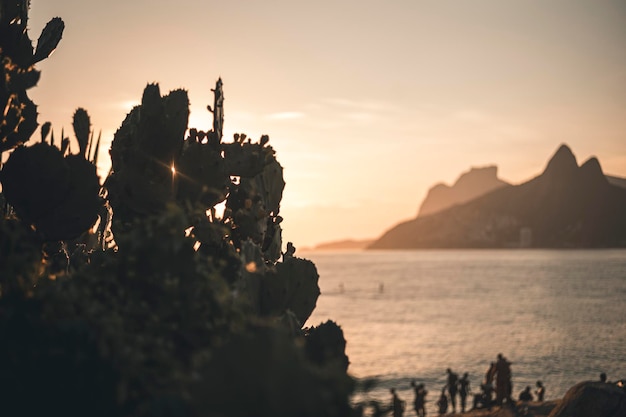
567,206
592,399
347,244
470,185
620,182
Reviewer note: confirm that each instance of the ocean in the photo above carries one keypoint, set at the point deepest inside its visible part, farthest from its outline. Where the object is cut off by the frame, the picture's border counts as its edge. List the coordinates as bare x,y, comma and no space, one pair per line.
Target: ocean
558,315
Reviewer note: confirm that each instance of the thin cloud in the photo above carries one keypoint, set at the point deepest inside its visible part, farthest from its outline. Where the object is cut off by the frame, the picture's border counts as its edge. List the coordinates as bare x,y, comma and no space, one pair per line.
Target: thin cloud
370,105
473,116
286,115
361,116
127,104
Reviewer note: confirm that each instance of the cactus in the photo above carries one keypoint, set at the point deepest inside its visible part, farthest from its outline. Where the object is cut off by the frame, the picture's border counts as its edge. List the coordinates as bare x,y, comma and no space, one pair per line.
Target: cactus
201,174
82,127
268,185
325,344
170,293
245,159
143,153
292,285
49,39
273,239
18,73
58,196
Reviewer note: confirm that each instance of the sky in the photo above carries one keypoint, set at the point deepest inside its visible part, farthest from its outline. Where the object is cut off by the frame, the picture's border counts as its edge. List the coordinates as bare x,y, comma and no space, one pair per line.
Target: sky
367,103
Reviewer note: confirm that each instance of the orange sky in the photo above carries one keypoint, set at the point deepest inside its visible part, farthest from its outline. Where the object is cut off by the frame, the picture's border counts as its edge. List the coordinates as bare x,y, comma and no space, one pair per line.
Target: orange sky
367,103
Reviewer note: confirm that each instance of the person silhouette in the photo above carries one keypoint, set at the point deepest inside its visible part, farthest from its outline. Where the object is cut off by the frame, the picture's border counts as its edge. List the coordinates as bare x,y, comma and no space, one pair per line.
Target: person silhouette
540,391
483,399
503,380
452,387
602,377
397,405
442,402
526,395
487,386
464,390
491,373
419,403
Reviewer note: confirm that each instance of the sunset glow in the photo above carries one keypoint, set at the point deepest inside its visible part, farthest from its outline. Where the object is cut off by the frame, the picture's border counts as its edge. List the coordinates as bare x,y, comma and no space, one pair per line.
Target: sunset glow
366,106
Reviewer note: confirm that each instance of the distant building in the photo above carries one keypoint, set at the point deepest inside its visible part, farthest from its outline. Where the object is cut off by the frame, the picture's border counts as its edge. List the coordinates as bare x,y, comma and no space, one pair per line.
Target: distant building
525,237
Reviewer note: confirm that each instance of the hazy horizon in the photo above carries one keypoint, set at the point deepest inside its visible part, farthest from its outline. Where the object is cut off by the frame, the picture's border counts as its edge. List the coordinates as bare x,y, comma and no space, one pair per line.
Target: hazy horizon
366,106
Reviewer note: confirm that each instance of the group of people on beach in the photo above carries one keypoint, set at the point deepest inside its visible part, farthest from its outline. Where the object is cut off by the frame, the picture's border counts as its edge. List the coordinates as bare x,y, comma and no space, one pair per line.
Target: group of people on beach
497,381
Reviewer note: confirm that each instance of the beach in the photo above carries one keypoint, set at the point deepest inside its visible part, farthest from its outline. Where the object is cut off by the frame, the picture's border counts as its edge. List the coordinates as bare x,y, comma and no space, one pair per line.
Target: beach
527,409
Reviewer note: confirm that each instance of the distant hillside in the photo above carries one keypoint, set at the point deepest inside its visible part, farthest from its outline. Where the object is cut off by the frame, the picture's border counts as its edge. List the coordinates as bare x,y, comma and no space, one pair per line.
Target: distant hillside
348,244
620,182
567,206
471,184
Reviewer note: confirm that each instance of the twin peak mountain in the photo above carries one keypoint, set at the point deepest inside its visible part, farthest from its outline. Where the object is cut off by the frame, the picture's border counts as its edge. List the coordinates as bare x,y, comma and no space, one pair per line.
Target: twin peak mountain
567,206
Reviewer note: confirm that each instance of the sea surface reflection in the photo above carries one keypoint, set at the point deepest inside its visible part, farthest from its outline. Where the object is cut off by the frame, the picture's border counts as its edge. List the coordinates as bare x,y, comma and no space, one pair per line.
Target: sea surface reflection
557,315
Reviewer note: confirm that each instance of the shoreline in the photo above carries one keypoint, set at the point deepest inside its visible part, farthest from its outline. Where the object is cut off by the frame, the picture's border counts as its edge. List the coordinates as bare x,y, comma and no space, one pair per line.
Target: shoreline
522,408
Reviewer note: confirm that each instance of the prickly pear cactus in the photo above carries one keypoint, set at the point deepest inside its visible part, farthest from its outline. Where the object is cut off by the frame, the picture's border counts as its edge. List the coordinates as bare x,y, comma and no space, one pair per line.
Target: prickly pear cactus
171,292
58,196
293,286
272,244
325,345
82,128
268,185
245,159
202,175
17,61
143,153
255,201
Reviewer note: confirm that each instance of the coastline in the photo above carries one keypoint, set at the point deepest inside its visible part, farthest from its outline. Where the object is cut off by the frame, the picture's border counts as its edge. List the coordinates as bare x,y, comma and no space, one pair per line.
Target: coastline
526,409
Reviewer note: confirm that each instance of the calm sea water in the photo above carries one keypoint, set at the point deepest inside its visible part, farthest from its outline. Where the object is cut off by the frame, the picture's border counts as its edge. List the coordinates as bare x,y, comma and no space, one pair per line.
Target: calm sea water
558,316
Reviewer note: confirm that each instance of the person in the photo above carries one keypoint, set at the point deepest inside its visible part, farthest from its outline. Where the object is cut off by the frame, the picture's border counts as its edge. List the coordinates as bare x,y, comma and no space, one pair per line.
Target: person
602,377
452,387
442,402
397,405
484,398
419,403
464,389
491,373
503,380
526,395
540,391
487,385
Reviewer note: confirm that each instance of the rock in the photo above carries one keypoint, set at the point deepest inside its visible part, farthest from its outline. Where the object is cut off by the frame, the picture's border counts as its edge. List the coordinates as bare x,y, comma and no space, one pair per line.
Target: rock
525,409
565,207
470,185
592,399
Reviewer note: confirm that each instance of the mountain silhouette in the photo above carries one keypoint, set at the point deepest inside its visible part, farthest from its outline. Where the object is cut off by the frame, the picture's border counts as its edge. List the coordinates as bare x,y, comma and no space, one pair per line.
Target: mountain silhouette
470,185
567,206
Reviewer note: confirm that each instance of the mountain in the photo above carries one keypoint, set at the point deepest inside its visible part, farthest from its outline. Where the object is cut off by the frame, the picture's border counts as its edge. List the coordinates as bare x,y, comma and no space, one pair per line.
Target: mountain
620,182
567,206
347,244
471,184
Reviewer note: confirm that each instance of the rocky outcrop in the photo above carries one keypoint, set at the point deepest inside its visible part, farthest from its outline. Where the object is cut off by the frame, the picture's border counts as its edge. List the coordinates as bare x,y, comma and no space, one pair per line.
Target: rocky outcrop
592,399
521,409
619,181
567,206
470,185
347,244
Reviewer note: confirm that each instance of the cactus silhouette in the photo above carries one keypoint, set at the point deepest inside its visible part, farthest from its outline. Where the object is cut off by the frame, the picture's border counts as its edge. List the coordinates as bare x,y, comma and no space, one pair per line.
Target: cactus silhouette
142,293
18,73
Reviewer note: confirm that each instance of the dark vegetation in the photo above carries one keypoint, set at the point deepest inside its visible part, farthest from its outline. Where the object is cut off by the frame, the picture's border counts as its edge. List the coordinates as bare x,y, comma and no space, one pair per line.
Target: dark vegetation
136,296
